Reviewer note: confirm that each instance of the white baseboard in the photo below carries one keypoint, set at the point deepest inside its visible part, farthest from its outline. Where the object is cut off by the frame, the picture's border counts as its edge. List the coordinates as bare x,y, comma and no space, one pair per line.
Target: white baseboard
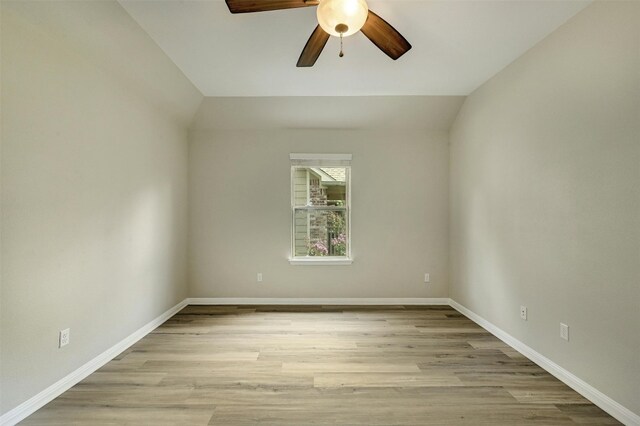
30,406
318,301
612,407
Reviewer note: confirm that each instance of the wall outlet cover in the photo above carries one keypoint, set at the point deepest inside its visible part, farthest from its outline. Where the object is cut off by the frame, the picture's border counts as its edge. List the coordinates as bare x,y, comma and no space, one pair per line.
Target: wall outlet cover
64,337
564,331
523,312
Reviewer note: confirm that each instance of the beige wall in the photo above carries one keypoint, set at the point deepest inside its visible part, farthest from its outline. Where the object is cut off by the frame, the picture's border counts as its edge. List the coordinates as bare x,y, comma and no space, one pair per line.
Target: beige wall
240,220
545,198
94,186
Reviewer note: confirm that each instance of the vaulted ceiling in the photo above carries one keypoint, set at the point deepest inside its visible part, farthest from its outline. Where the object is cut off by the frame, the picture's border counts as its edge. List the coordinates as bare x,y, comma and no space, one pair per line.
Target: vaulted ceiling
457,46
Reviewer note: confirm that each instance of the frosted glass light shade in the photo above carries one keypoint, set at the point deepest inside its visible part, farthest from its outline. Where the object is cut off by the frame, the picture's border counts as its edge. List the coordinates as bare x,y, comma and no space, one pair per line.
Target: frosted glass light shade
352,13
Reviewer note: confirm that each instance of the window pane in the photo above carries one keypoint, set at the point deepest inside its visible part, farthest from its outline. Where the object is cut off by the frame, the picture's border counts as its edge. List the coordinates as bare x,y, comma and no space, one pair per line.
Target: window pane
320,233
319,186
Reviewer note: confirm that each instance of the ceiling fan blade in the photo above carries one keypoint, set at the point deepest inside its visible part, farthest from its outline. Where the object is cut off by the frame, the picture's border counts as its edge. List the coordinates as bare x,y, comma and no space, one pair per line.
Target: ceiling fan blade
313,48
383,35
247,6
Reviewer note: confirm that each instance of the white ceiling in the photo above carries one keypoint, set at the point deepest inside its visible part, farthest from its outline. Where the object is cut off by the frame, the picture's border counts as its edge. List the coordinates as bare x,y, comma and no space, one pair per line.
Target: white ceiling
457,46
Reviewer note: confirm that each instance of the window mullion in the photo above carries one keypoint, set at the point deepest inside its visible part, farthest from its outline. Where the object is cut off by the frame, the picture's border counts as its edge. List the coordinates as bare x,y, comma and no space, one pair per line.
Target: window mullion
320,208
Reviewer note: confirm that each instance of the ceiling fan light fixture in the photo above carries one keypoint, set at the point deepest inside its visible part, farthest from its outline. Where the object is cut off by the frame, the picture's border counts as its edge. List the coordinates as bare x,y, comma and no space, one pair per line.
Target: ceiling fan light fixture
342,17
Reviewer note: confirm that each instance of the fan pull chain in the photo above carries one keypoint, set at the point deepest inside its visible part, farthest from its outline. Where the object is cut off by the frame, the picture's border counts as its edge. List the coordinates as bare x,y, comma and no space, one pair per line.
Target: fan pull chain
341,54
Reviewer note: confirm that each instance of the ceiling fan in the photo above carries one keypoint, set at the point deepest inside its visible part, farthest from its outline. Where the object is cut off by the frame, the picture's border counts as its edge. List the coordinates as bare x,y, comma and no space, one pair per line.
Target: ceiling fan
339,18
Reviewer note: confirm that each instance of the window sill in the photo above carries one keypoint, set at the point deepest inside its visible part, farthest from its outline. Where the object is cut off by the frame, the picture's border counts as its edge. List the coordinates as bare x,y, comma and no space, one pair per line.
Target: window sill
320,261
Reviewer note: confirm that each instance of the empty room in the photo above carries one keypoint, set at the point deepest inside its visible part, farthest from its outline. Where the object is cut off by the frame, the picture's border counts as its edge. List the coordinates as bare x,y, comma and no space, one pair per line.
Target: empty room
320,212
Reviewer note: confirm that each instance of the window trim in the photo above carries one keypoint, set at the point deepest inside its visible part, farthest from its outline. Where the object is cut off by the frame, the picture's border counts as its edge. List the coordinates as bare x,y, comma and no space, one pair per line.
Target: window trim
320,160
320,261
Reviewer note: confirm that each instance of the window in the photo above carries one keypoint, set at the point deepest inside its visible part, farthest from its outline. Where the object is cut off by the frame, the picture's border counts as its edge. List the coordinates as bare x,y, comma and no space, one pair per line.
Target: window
320,209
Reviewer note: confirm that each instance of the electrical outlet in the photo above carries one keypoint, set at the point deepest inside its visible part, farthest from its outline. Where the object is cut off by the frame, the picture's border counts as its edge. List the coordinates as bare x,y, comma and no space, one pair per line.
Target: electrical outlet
64,337
523,312
564,331
259,277
426,277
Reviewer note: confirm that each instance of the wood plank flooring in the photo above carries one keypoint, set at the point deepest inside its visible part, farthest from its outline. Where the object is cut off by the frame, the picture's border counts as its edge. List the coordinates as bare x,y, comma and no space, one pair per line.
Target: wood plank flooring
304,365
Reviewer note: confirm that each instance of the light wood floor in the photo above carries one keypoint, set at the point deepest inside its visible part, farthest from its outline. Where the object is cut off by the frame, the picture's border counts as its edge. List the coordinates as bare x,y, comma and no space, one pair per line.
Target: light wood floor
399,365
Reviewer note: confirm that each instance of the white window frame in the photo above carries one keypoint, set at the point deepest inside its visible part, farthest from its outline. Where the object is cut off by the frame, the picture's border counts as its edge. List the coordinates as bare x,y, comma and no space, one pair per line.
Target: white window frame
321,160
